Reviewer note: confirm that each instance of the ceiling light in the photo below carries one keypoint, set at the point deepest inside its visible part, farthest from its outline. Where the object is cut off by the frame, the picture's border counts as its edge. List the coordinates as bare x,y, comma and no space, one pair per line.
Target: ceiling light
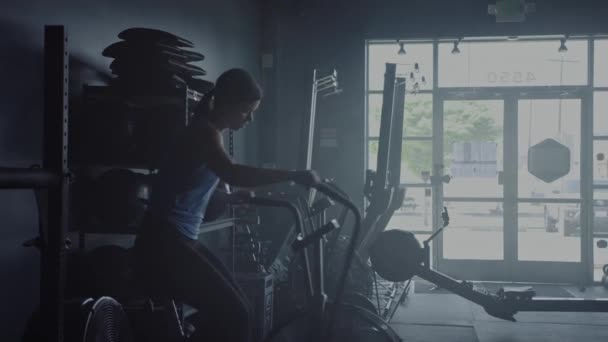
456,50
401,48
562,46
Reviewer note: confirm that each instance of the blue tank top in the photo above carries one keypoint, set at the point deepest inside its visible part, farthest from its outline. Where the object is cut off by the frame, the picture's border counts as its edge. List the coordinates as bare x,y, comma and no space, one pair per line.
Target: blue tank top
180,195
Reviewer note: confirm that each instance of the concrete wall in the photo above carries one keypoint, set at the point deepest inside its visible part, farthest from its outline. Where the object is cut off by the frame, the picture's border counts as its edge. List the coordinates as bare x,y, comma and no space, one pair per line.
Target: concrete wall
226,32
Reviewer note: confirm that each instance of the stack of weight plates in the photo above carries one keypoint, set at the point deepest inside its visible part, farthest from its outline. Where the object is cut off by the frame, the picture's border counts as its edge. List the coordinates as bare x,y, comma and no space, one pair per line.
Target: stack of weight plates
147,59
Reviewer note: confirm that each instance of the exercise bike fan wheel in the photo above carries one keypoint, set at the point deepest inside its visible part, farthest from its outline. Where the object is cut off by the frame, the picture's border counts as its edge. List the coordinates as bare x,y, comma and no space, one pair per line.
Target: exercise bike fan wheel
106,321
396,255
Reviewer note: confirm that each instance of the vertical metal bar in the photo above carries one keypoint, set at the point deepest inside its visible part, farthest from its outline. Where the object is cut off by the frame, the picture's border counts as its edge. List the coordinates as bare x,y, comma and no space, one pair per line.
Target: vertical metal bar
437,187
233,243
586,170
586,178
366,122
510,184
231,143
186,108
311,132
320,246
396,144
366,104
311,125
55,158
388,98
379,189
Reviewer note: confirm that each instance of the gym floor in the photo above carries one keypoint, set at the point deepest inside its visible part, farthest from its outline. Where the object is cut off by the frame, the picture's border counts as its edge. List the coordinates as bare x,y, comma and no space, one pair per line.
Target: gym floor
442,316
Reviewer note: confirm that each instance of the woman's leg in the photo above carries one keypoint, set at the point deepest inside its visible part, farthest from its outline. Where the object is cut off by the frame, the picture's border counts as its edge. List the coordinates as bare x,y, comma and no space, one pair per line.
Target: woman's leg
219,265
201,280
186,270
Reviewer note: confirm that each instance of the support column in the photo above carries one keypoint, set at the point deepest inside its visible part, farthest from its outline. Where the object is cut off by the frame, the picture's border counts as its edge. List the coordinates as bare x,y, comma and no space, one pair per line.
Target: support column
55,158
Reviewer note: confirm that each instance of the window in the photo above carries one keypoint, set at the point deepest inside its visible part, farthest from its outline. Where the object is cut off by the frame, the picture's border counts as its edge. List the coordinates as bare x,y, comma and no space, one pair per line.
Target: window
600,153
559,120
473,145
600,112
600,75
415,213
490,63
417,116
418,113
381,53
513,63
417,136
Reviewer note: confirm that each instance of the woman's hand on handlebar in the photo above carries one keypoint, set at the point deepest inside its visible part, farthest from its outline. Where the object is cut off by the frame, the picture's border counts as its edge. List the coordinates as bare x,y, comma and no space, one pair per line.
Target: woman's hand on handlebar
307,178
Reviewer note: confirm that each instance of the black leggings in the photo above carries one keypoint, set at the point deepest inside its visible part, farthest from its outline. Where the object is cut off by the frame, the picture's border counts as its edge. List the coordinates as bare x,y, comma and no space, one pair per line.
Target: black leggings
177,267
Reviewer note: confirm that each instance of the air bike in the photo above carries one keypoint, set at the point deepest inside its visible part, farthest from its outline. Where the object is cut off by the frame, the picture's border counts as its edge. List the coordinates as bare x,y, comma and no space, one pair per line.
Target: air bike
398,256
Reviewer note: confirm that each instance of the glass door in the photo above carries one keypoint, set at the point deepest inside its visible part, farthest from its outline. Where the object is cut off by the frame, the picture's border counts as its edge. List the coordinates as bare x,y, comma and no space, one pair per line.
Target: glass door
547,244
507,223
472,247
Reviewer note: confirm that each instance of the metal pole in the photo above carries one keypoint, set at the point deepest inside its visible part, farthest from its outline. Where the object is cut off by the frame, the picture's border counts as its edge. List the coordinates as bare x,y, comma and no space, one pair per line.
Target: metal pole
393,162
396,143
55,158
561,80
437,168
380,195
311,132
586,171
23,178
311,126
388,98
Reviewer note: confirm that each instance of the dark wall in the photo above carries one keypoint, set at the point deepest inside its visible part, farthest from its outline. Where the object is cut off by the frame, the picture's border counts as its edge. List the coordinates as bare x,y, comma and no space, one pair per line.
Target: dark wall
441,18
227,32
318,34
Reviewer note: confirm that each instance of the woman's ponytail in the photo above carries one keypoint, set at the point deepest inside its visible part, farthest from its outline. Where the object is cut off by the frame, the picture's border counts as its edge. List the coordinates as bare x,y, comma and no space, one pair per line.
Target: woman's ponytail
204,106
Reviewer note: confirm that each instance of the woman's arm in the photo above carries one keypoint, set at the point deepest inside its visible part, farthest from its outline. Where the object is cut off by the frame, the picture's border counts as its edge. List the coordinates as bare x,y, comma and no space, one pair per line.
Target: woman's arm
209,145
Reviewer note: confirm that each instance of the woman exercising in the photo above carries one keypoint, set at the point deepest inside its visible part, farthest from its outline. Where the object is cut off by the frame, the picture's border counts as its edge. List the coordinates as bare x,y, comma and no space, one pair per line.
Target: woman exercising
169,257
